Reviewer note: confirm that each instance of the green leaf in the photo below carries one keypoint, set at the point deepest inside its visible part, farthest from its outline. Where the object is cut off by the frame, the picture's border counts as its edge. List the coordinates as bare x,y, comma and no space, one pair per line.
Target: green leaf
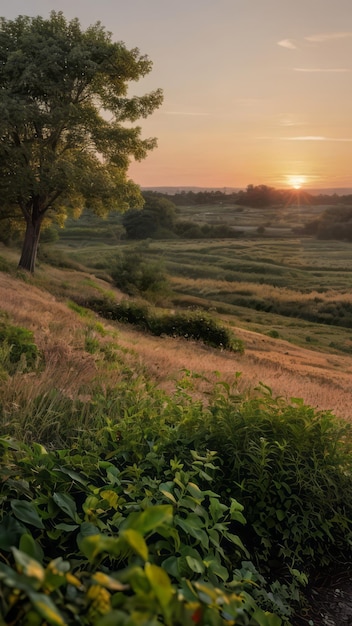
216,509
67,527
136,542
236,511
26,512
166,489
196,565
67,504
192,527
46,608
72,474
237,541
10,532
160,583
150,519
12,579
31,547
28,566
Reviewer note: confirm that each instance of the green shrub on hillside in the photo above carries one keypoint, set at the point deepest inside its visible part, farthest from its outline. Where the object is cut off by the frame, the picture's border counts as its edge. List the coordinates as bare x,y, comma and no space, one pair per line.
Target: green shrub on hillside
21,346
194,325
136,276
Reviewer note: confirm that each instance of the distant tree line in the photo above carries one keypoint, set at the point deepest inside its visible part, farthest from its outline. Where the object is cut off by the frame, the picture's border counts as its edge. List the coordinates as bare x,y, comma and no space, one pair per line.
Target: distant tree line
255,196
334,223
159,220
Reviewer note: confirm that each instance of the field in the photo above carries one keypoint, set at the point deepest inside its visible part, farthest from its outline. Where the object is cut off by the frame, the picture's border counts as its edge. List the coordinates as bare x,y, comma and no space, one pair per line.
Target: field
287,297
113,431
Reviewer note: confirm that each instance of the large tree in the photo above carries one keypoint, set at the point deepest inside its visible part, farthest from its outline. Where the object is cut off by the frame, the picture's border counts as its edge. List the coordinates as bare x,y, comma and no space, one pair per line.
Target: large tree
66,138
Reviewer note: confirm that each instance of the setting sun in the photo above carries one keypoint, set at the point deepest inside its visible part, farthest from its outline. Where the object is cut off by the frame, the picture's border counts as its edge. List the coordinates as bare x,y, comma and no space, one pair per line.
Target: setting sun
296,181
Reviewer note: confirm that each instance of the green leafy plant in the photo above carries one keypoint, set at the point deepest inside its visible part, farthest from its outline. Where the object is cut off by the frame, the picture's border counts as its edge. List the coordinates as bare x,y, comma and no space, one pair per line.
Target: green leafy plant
114,541
196,325
137,276
21,346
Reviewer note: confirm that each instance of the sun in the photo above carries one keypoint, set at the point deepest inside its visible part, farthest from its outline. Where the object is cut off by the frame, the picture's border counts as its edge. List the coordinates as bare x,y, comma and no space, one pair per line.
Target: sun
296,181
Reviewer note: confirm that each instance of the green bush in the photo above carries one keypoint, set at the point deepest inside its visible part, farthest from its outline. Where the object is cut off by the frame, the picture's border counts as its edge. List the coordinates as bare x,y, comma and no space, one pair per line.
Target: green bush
101,542
195,325
134,275
21,345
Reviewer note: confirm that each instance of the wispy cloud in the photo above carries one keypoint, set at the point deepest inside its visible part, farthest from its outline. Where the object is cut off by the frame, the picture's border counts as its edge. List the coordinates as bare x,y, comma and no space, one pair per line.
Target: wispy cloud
315,138
287,43
322,37
331,70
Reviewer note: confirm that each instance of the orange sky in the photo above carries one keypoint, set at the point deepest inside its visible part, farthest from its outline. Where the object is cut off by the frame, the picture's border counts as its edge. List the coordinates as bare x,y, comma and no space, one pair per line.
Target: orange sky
256,91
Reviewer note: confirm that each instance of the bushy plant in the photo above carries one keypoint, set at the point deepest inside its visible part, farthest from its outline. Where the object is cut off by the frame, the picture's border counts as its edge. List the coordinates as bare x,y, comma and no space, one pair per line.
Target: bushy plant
21,346
135,275
194,325
99,542
199,326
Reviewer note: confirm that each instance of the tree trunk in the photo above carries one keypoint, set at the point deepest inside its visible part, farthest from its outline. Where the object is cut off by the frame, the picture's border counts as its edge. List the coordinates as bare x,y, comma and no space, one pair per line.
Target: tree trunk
30,245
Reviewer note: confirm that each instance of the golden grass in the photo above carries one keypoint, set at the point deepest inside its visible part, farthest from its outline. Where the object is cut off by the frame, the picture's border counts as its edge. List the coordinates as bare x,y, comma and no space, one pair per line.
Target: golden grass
206,287
322,380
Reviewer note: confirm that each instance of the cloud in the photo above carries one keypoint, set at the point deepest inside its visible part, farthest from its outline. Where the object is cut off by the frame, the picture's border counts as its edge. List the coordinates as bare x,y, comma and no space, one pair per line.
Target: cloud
331,70
322,37
287,43
315,138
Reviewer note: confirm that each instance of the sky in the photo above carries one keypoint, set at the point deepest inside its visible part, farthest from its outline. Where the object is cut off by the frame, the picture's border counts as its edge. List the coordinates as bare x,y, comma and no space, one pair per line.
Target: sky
255,91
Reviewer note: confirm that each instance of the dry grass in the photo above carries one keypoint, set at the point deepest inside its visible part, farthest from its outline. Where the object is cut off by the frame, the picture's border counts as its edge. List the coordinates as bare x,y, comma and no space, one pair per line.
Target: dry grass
323,381
206,287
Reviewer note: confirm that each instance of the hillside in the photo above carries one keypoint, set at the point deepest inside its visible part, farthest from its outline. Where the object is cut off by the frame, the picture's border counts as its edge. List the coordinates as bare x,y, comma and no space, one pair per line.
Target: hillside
321,380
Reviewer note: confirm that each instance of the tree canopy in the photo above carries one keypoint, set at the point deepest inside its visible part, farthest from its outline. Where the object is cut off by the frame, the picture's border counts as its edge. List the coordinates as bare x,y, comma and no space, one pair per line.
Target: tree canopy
66,138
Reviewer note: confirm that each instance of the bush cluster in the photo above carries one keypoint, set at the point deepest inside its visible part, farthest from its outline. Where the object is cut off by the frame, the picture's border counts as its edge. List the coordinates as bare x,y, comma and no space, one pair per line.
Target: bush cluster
171,511
194,325
136,276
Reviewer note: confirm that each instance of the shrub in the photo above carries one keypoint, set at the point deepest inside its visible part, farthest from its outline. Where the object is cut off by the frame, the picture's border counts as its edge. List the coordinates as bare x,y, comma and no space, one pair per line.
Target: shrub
196,325
136,276
192,325
21,345
148,545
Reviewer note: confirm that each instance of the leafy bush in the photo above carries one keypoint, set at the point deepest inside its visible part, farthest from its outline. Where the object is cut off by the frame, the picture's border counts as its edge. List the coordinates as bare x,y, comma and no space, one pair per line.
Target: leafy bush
99,542
192,325
290,466
21,345
196,325
136,276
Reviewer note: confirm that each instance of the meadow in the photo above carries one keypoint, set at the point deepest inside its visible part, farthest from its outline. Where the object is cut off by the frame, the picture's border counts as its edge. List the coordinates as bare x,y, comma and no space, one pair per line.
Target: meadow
160,479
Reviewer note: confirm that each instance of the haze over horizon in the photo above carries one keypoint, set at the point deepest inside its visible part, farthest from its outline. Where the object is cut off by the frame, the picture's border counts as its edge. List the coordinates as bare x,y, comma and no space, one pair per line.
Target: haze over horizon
255,91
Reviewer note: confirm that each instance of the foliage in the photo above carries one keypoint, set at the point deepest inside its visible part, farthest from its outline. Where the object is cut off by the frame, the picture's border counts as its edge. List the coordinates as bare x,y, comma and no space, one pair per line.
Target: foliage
116,543
282,467
291,468
192,230
195,325
157,217
58,152
334,223
136,276
17,344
